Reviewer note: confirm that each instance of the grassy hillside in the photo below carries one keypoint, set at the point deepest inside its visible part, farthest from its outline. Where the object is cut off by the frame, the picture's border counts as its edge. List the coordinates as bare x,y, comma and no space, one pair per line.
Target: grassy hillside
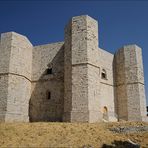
68,135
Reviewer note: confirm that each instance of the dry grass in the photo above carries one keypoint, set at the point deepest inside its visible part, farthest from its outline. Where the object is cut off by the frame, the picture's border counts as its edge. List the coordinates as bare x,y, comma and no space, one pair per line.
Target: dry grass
65,134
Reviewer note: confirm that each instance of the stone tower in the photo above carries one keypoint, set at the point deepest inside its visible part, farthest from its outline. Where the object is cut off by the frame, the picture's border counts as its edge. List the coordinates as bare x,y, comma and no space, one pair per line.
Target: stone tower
81,103
129,84
15,77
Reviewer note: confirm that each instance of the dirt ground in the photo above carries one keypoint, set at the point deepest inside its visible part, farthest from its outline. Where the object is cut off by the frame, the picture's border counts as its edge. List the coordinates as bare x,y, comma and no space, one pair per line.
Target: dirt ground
55,134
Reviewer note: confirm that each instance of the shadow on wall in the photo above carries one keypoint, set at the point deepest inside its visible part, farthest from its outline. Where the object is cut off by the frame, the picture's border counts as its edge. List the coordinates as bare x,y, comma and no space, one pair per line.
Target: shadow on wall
115,88
47,98
121,144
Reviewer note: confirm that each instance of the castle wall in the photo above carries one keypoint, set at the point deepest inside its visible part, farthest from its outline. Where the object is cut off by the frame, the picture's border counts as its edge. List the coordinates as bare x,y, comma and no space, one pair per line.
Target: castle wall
93,55
67,73
94,101
107,85
16,51
4,68
19,92
75,72
3,96
72,81
41,107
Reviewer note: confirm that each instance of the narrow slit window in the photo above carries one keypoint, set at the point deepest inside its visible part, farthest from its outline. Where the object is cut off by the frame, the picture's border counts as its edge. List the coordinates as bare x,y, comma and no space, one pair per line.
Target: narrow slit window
103,74
48,95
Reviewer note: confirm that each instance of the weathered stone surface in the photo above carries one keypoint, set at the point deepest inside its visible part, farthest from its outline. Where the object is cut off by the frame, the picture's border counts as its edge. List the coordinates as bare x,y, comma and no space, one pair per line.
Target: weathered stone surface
73,81
15,73
42,108
129,81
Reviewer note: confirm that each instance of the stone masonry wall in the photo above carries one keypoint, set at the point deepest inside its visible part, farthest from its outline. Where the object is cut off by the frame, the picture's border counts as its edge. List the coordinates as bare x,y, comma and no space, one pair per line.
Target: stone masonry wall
130,92
3,96
4,68
42,108
75,72
93,64
81,70
72,81
17,69
107,85
19,92
67,73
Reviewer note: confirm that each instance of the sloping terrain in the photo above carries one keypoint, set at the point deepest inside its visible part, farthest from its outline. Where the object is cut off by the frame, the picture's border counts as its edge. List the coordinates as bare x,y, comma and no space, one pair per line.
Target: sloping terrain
55,134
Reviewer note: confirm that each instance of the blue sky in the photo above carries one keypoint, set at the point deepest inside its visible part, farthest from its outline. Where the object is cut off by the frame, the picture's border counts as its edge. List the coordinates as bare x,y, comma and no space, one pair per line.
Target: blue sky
120,22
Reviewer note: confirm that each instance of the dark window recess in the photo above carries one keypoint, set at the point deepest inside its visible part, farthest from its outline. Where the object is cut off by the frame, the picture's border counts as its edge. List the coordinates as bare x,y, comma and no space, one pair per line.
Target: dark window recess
48,95
49,71
103,74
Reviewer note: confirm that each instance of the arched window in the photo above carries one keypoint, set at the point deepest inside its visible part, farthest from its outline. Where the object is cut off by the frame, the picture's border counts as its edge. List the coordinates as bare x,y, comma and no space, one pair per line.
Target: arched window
105,109
105,113
49,69
103,74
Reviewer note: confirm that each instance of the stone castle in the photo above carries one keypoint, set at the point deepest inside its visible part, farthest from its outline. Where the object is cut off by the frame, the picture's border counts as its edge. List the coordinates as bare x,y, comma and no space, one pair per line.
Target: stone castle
71,81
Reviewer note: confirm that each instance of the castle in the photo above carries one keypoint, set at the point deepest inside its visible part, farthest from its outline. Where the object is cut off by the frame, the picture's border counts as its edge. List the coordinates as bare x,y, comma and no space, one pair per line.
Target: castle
70,81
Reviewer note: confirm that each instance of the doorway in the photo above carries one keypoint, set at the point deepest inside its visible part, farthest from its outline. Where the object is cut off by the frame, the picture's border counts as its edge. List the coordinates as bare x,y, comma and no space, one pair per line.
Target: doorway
105,113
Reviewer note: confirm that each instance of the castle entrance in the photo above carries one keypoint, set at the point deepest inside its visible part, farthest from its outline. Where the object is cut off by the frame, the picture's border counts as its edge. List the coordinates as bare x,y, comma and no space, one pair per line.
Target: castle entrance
105,113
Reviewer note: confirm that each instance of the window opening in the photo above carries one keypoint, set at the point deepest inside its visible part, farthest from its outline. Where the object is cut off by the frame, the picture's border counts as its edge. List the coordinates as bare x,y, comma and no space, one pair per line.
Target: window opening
48,95
49,71
103,74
